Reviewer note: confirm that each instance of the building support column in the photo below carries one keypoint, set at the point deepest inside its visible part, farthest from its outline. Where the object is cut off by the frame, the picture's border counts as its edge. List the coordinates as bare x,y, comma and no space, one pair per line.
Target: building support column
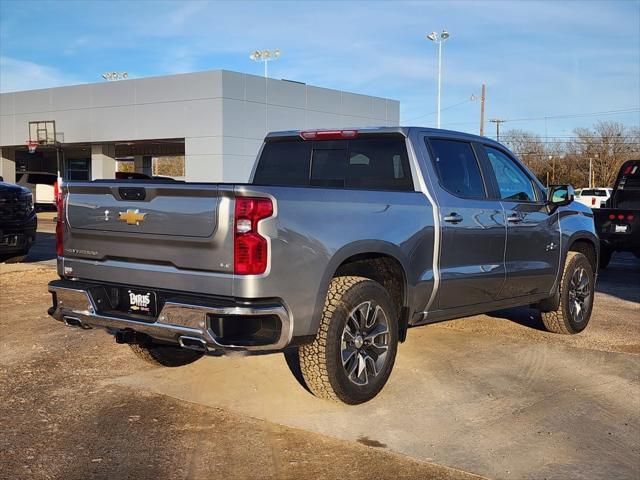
103,161
8,165
203,159
143,164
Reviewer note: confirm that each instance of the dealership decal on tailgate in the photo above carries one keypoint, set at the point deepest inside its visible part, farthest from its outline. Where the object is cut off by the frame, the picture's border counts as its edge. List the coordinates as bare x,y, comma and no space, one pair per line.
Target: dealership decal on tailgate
141,302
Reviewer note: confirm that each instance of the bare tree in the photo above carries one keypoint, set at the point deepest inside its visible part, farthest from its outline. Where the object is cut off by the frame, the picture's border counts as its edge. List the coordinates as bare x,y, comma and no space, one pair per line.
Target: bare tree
606,145
530,148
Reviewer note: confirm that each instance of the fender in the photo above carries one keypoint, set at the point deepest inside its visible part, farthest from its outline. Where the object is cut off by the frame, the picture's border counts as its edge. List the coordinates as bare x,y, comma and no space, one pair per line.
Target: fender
357,248
575,224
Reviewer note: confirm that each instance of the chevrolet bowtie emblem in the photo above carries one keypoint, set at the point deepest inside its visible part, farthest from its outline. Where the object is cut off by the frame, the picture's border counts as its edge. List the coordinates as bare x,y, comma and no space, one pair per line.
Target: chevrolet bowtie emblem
132,217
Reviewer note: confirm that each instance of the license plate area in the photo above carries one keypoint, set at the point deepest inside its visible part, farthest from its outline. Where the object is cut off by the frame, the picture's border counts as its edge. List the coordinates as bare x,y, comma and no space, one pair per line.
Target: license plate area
621,228
139,302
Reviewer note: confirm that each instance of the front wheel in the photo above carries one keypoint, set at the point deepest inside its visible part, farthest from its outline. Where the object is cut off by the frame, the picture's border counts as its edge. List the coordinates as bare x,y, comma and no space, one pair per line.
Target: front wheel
576,297
353,353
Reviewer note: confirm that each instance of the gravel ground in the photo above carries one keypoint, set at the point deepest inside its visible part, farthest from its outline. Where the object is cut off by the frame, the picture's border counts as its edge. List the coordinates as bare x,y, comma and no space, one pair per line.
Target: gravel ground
61,418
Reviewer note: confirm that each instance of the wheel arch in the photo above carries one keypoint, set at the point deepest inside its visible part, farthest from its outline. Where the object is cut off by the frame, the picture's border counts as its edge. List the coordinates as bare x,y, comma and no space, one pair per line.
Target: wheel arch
380,261
586,243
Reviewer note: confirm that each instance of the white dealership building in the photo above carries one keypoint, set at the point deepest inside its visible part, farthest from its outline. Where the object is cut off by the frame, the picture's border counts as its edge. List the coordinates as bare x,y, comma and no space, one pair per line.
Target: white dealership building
215,120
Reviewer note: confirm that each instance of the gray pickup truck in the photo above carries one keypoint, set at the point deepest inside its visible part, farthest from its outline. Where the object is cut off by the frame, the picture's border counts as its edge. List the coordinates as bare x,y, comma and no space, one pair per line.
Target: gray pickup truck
340,242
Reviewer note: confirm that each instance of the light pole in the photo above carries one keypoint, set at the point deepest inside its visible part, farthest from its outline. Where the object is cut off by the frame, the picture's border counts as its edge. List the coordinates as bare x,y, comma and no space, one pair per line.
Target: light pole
439,39
265,56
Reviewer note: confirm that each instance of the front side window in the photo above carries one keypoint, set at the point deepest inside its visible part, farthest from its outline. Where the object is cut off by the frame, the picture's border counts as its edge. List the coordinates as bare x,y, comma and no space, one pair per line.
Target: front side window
513,183
458,168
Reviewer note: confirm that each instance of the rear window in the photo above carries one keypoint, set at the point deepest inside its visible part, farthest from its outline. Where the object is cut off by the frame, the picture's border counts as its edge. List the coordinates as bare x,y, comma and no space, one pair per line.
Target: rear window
363,163
41,178
593,193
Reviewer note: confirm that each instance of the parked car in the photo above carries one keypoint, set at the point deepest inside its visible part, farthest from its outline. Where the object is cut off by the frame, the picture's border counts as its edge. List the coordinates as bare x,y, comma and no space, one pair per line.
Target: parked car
593,197
41,185
18,222
618,224
340,241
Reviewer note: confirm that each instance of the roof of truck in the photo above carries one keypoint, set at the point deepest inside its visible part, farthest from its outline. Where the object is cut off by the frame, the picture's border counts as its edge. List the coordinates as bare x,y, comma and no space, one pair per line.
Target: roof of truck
377,130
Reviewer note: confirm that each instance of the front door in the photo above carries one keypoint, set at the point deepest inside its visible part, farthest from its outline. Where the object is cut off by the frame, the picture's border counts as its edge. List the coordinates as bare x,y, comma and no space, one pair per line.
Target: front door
472,228
533,235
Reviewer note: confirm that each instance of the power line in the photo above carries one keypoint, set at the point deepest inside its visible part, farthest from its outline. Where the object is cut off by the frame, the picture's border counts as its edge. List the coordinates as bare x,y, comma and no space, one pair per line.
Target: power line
472,98
569,115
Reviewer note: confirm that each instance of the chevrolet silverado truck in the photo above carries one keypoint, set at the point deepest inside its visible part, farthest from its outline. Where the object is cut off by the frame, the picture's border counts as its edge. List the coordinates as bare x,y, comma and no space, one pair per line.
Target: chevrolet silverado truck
18,222
618,223
341,241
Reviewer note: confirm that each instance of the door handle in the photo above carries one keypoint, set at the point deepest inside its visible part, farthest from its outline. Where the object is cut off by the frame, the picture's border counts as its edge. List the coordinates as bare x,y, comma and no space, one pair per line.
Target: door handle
515,218
453,217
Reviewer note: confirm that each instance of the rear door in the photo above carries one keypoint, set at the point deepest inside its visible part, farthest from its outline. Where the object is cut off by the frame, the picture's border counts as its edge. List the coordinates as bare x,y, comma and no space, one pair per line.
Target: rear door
473,232
533,235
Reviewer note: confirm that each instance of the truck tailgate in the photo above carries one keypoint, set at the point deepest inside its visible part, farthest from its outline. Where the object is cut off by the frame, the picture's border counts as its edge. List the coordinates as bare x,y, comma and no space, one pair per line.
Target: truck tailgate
186,226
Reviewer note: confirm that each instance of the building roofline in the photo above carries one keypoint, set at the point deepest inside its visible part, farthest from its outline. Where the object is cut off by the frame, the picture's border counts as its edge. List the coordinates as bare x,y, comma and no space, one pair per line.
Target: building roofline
221,70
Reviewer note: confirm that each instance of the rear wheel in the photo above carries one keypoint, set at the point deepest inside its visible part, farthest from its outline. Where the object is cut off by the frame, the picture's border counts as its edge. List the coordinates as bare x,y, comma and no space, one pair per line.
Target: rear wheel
576,297
165,355
354,351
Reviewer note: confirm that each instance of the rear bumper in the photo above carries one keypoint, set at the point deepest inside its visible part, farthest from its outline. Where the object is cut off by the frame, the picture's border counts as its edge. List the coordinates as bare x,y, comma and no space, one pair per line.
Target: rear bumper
621,242
187,323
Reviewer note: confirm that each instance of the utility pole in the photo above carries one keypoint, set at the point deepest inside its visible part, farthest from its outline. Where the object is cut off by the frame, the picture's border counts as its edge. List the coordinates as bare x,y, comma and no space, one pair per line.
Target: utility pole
482,99
497,121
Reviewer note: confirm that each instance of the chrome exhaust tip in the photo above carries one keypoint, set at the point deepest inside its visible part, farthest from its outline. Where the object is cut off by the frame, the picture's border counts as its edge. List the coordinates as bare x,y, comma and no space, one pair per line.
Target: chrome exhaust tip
193,343
74,322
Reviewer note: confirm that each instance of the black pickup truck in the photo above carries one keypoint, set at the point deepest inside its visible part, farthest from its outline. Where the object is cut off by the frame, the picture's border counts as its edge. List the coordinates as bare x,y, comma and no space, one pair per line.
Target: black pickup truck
618,224
18,222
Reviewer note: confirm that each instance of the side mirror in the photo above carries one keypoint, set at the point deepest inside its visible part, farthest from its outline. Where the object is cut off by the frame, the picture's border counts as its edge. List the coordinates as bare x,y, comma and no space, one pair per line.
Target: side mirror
559,196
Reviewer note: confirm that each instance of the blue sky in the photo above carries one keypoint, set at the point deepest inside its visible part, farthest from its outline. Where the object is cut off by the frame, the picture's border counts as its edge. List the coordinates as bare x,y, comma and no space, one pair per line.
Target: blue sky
538,59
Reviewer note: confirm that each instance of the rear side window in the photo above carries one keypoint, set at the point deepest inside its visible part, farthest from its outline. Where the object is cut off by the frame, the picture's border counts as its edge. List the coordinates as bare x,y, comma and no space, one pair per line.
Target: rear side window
458,168
364,163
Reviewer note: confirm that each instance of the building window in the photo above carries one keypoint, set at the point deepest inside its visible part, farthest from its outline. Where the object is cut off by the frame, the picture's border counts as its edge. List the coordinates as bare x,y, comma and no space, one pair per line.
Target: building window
78,169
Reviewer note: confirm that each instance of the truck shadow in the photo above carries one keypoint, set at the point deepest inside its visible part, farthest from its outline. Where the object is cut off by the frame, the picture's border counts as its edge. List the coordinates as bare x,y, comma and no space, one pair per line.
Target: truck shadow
621,278
43,249
527,317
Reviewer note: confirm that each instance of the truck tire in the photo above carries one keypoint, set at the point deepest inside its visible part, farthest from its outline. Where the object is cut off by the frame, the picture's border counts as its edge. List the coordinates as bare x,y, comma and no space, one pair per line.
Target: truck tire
16,257
576,297
353,353
605,257
165,355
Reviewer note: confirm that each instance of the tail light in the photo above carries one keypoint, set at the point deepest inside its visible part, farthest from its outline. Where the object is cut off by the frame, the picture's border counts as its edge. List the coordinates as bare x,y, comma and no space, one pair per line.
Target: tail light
612,216
328,134
620,216
630,217
59,197
593,201
250,248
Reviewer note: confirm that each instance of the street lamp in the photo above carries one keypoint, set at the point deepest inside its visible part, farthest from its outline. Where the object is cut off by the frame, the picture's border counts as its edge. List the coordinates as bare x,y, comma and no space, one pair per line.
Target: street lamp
265,56
439,39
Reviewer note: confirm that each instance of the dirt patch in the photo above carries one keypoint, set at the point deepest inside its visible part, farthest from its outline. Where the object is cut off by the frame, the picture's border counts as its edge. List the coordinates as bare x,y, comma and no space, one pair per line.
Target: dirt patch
61,418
